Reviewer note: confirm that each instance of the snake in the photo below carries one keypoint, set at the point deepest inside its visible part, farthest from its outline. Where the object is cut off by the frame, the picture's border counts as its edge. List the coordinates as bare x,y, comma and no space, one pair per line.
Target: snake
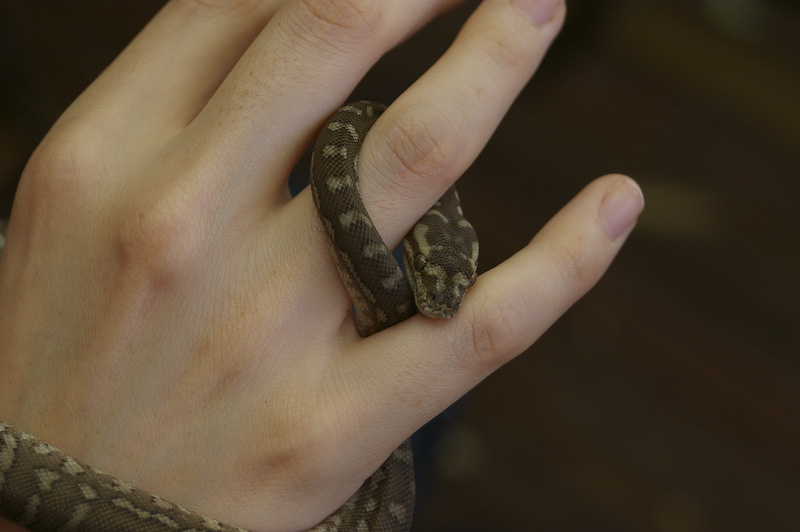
44,489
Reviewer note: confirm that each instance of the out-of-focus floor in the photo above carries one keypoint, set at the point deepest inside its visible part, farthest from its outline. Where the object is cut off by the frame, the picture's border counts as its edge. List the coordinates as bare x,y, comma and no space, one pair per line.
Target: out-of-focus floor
668,399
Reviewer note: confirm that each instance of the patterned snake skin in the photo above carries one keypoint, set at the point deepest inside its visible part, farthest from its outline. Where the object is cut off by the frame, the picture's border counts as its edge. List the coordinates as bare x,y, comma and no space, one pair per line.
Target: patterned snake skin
440,253
44,489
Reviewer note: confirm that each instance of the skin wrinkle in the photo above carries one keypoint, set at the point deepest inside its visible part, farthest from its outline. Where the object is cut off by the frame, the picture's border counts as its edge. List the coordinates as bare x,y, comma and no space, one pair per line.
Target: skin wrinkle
420,150
344,25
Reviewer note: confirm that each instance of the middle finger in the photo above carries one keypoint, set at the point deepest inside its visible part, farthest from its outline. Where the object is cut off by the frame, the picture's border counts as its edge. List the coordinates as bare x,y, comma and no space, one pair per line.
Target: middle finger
301,67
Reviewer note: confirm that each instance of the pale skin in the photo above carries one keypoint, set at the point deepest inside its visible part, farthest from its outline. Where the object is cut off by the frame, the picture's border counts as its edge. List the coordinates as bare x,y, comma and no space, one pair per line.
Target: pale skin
171,316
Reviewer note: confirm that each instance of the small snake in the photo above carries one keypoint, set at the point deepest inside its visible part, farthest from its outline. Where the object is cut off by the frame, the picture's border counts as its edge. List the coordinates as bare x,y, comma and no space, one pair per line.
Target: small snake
440,253
44,489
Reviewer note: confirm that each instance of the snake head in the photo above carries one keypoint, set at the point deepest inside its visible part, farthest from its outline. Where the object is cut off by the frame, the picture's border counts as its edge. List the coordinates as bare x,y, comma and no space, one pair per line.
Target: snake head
441,260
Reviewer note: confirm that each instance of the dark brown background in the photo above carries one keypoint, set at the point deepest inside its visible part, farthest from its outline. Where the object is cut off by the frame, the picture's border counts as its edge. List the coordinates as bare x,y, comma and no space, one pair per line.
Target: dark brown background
667,399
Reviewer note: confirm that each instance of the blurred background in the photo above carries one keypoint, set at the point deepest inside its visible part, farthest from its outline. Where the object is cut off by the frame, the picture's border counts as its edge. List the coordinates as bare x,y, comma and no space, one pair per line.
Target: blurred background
668,399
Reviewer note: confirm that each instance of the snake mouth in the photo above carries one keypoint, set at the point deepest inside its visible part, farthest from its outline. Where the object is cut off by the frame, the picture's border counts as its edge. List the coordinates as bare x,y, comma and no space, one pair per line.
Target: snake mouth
442,312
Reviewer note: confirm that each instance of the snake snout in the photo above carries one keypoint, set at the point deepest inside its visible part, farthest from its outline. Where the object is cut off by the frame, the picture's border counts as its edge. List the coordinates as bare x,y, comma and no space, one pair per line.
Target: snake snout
439,305
442,312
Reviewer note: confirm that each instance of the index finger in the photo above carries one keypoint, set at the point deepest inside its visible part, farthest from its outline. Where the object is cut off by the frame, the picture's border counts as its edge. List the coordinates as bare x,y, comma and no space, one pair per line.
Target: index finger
510,306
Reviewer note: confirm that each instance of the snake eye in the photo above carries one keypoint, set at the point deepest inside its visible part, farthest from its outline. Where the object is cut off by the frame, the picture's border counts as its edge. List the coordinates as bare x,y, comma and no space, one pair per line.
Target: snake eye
473,278
439,298
419,262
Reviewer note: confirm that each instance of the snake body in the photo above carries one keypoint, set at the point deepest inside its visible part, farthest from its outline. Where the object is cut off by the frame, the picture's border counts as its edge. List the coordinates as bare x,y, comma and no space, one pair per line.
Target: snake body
440,252
44,489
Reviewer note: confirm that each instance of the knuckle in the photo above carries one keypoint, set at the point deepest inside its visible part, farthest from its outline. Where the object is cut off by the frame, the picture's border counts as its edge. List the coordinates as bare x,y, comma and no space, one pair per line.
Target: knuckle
64,168
65,171
160,238
425,148
344,24
494,337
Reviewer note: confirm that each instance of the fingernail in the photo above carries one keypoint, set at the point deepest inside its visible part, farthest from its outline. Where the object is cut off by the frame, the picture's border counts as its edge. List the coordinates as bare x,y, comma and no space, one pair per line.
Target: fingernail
620,207
539,12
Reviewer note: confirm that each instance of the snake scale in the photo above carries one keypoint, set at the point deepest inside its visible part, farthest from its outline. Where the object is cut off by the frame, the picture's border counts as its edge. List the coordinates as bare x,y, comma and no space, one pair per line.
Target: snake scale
44,489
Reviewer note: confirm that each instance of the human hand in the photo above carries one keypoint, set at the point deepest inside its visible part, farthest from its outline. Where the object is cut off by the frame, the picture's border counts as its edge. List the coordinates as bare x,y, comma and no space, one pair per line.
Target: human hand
170,316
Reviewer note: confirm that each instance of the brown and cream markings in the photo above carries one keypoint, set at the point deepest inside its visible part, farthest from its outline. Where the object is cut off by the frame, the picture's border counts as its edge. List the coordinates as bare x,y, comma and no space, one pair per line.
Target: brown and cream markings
440,252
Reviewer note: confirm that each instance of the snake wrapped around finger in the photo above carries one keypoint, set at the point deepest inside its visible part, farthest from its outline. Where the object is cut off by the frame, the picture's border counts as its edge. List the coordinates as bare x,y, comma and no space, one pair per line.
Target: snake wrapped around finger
44,489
